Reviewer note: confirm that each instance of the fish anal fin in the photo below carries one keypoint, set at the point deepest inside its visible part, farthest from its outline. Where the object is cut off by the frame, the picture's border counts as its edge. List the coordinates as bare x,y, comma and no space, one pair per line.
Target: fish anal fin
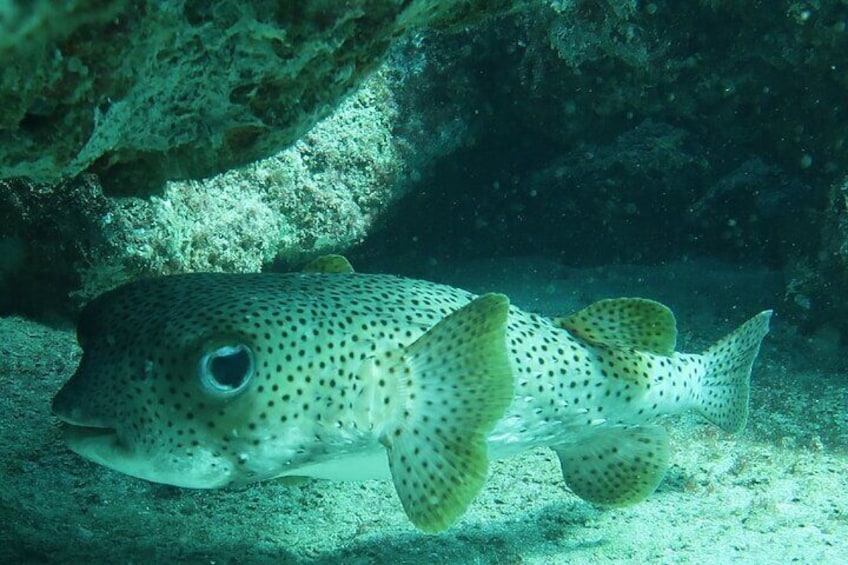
328,264
456,385
624,323
616,466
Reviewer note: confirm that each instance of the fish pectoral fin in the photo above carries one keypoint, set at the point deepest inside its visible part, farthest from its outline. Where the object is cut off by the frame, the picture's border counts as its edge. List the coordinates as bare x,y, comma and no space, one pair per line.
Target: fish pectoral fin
328,264
456,385
624,323
616,466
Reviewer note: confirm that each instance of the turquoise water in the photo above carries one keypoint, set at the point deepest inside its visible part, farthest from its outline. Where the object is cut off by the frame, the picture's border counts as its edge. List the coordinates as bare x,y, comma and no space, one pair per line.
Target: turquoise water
560,153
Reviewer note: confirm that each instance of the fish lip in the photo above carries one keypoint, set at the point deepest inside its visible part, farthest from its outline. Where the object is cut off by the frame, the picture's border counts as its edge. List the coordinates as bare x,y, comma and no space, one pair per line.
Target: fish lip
74,417
76,428
96,443
73,430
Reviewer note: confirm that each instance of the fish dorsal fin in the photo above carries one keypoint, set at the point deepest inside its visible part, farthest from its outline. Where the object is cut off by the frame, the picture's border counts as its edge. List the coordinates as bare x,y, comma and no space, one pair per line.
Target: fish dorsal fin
625,323
616,466
456,383
328,264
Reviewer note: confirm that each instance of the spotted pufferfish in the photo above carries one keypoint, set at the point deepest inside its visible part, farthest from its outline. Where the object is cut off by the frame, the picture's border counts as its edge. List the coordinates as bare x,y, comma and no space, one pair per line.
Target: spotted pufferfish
206,380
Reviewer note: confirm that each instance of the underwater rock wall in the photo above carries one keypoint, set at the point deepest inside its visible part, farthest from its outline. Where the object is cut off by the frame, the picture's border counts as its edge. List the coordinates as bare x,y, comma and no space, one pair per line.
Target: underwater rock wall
143,92
323,193
591,131
641,132
817,284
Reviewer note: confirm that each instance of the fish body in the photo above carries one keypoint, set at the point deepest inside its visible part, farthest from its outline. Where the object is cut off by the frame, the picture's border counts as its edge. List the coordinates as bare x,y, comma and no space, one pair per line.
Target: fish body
207,380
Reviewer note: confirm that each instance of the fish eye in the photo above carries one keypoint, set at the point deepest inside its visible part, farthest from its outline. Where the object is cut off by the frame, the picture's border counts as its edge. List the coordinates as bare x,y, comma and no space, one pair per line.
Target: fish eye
227,370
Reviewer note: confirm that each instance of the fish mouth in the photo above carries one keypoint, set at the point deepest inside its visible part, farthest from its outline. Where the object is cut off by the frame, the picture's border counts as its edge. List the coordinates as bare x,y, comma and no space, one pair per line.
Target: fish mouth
105,446
81,432
74,425
93,440
97,443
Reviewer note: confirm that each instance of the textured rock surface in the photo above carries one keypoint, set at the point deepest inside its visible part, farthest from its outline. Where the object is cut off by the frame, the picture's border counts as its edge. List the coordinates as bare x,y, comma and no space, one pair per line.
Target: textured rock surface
751,78
543,118
652,194
140,92
817,284
322,193
756,93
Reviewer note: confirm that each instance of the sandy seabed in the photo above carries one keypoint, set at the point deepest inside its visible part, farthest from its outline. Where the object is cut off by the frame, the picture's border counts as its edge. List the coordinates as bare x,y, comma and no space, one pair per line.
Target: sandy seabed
776,493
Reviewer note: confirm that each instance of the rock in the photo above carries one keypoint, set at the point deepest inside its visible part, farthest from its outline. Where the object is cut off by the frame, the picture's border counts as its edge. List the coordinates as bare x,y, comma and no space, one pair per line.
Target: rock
619,201
322,193
566,86
78,238
46,233
756,213
816,286
143,92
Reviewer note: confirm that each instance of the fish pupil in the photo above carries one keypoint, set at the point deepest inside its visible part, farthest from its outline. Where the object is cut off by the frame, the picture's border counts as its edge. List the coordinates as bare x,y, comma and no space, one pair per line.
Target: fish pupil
227,369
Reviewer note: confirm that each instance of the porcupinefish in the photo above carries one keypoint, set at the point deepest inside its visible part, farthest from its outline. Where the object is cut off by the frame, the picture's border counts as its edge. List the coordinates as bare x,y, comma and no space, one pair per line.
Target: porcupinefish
206,380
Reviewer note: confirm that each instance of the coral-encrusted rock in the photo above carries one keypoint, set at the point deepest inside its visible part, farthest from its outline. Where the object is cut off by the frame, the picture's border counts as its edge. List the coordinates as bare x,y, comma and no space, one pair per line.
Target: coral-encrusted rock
322,193
141,92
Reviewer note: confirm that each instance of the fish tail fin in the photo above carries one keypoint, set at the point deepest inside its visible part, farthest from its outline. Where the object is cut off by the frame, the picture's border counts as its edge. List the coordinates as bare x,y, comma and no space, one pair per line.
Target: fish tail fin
456,383
725,382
